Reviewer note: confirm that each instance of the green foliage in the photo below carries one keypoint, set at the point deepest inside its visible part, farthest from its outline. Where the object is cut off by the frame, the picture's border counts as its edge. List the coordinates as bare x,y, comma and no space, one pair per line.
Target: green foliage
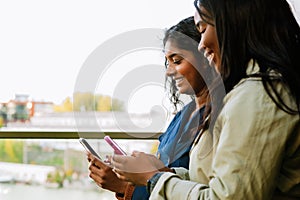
48,156
11,151
1,121
117,105
57,177
66,161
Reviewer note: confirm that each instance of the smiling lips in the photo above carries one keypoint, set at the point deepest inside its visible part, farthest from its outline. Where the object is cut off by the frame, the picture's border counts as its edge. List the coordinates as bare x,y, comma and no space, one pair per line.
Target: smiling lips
178,80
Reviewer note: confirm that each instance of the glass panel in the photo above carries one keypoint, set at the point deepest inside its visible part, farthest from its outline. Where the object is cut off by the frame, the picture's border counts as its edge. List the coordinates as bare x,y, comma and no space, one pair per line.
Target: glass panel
49,169
43,55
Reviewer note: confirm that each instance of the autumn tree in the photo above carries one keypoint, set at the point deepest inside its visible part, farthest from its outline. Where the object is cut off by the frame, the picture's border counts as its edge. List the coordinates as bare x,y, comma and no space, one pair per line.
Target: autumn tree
89,102
83,101
104,104
66,106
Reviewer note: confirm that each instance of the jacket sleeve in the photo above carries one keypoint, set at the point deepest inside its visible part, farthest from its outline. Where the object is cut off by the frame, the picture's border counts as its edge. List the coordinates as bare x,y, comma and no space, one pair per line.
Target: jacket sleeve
182,172
251,133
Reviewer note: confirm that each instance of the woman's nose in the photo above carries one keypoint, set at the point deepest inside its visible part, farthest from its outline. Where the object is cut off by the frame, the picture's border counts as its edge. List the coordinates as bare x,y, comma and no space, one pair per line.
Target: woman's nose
201,46
170,71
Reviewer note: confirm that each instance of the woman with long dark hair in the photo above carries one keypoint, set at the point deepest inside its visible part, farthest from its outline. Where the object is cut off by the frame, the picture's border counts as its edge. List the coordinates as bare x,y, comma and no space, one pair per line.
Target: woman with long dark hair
255,47
187,72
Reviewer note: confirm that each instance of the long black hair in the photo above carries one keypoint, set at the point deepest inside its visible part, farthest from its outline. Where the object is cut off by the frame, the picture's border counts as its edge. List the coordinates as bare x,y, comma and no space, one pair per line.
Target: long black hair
263,30
179,33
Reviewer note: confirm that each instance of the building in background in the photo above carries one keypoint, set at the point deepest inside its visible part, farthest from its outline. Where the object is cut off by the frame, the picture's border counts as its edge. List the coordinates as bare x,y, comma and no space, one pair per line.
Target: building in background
21,109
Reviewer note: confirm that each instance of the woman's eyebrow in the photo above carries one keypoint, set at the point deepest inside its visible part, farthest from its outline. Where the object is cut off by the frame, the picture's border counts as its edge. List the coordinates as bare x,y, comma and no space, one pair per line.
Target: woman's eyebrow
176,54
172,55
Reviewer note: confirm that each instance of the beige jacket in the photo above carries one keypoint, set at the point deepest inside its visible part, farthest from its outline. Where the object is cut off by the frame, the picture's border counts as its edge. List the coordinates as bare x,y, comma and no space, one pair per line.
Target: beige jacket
254,152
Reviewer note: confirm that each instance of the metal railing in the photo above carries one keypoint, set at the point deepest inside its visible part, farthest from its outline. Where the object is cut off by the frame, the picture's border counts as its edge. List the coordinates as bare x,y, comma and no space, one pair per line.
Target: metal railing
51,134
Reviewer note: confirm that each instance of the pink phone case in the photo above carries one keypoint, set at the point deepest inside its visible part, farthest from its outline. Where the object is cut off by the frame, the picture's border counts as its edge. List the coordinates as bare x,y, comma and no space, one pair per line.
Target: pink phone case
114,145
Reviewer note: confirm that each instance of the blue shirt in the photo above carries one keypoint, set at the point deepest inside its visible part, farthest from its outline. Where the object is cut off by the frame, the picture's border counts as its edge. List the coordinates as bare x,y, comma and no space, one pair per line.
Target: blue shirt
176,142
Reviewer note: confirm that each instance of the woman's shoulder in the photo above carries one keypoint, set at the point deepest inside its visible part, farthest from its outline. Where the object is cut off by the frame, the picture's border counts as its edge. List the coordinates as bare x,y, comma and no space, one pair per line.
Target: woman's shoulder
248,90
250,98
252,89
252,92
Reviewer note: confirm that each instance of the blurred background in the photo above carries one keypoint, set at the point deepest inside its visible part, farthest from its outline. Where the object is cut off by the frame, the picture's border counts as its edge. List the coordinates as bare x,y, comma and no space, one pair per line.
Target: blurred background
44,46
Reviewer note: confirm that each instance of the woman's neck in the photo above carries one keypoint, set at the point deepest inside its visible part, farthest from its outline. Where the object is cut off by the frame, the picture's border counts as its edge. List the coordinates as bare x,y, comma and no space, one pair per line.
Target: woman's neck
200,101
201,98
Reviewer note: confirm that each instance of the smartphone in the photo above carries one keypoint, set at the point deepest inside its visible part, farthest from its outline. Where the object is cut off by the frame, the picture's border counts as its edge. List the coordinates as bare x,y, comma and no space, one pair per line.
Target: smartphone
88,147
114,145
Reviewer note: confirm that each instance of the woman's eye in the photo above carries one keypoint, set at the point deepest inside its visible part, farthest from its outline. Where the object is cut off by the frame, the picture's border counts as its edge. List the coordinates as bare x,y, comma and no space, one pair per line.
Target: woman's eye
201,29
177,61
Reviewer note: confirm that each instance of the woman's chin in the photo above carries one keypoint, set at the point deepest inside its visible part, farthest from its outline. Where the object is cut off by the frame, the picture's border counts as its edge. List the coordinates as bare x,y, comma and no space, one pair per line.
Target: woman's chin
186,91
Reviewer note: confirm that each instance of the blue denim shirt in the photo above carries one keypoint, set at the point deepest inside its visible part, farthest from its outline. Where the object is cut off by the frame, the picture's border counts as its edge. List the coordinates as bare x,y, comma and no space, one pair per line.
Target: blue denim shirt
176,142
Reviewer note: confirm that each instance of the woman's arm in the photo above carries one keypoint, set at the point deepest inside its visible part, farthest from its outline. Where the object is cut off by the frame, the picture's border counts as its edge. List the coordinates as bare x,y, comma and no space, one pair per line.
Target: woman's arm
251,133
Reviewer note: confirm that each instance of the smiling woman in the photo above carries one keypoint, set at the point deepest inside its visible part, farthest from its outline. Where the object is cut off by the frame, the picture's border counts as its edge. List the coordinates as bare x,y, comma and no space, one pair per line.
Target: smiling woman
44,46
256,135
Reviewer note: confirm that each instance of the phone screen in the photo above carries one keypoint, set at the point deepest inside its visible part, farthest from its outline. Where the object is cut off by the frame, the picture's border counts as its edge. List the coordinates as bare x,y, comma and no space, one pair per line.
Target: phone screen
88,147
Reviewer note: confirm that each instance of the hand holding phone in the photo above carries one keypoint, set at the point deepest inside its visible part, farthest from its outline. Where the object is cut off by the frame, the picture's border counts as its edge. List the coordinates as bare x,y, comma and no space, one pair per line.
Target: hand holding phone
88,147
114,145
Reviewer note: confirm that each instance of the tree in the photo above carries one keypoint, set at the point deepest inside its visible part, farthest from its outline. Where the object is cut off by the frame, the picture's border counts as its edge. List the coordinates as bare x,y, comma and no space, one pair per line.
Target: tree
11,151
90,102
83,102
66,106
117,105
104,104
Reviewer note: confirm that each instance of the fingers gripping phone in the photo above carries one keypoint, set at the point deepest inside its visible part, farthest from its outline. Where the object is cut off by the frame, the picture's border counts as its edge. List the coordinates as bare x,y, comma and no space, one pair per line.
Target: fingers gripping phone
88,147
114,145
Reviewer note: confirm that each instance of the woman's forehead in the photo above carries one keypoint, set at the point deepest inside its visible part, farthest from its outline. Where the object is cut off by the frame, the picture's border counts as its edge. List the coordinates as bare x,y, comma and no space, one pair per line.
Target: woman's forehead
171,47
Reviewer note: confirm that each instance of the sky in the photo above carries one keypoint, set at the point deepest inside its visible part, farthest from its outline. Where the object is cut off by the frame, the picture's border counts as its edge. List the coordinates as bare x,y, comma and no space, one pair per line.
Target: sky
45,44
